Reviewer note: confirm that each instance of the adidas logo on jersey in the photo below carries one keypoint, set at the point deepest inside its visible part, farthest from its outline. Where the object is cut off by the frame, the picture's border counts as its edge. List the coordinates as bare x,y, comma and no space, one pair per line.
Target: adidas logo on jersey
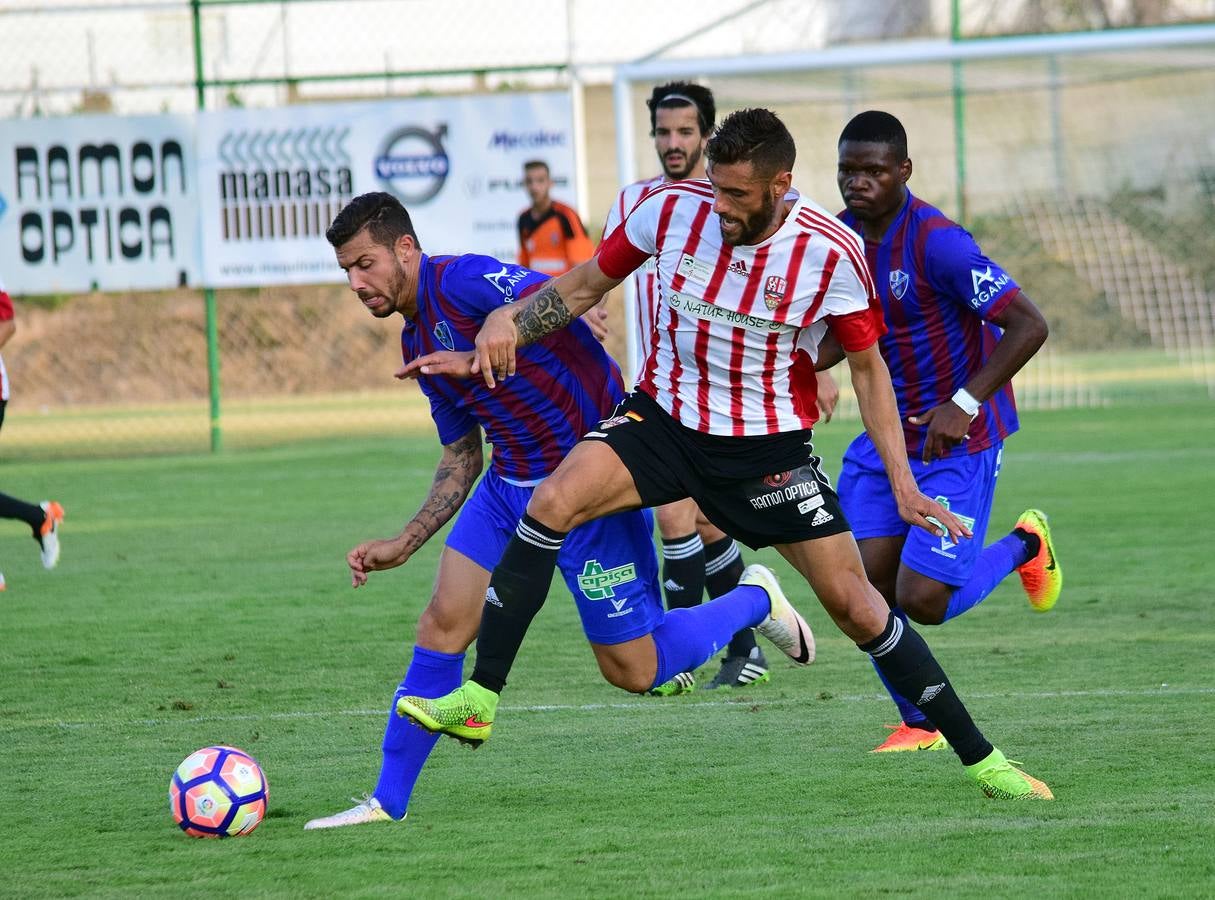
738,267
822,517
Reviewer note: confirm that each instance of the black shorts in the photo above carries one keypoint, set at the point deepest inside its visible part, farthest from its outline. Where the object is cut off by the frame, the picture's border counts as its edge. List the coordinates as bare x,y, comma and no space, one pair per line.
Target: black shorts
761,491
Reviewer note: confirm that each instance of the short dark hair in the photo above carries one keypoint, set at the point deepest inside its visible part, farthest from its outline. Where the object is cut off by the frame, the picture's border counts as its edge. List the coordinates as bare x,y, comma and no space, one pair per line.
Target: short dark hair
683,93
876,127
382,214
756,136
535,164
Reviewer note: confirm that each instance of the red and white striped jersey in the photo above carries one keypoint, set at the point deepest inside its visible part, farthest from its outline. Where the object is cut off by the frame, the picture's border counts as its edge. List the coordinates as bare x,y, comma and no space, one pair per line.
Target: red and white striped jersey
645,279
736,329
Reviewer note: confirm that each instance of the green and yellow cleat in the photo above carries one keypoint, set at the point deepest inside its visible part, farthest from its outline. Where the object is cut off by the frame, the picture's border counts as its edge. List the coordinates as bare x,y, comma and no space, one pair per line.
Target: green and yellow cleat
682,683
999,779
467,713
1041,576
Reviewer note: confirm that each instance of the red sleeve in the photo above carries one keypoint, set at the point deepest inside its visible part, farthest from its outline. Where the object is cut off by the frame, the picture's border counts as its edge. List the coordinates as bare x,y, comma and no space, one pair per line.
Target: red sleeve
858,330
618,257
6,306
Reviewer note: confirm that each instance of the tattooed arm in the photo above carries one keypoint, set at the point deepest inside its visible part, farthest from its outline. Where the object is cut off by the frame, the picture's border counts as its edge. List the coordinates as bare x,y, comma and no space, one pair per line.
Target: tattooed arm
458,469
552,307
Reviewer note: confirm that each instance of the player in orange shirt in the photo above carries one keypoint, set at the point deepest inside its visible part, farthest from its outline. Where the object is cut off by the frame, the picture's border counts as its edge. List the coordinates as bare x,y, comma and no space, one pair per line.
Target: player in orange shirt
551,237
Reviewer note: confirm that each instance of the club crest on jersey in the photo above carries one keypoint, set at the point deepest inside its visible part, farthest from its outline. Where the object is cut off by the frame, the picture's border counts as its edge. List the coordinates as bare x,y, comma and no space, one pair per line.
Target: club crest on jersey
443,335
774,291
898,283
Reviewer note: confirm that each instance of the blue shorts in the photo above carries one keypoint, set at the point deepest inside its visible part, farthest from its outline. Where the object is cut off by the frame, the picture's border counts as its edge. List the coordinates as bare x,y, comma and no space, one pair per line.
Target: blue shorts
609,564
964,484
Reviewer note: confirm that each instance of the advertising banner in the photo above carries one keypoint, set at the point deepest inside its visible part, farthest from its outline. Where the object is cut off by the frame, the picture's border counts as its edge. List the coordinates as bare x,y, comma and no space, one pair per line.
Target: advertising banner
98,203
273,179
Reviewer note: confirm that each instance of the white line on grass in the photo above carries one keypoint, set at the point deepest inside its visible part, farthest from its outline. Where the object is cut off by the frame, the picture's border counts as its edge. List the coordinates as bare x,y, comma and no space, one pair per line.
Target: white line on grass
639,704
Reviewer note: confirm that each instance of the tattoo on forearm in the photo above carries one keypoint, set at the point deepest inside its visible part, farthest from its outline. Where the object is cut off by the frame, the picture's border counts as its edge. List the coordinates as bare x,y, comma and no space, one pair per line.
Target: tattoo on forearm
454,477
543,314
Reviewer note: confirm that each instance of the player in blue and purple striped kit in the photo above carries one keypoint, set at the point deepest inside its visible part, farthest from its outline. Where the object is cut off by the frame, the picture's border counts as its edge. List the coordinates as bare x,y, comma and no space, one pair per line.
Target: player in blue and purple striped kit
563,387
958,329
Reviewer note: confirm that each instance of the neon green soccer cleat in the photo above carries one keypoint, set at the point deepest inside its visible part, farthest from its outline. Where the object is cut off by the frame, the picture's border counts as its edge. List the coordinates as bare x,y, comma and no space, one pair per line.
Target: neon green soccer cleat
682,683
467,713
1000,780
1041,576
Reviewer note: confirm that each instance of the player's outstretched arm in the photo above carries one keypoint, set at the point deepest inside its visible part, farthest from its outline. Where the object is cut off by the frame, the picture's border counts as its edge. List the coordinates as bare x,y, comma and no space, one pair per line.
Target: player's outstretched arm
880,413
455,475
554,306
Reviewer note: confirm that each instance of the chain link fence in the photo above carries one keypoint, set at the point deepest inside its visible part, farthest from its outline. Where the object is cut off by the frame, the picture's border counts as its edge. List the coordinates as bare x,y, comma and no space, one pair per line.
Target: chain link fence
1092,178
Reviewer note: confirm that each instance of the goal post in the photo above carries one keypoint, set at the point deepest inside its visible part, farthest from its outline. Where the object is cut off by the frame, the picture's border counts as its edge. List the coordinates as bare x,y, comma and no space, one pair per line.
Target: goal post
1083,162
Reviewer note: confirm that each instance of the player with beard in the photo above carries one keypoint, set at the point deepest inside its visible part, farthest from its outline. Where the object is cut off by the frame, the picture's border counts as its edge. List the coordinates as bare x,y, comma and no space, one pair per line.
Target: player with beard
723,414
696,555
565,384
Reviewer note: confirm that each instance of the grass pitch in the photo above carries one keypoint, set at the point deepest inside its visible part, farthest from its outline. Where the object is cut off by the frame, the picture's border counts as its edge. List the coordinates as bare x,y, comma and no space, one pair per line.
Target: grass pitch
204,600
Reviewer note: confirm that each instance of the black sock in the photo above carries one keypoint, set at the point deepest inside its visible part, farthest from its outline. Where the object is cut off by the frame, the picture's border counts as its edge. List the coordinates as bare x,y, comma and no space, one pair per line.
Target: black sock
683,571
723,568
1032,542
32,513
517,590
908,664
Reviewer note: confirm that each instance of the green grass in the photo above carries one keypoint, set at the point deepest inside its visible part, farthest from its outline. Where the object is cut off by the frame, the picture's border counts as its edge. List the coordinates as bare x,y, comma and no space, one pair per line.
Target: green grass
204,600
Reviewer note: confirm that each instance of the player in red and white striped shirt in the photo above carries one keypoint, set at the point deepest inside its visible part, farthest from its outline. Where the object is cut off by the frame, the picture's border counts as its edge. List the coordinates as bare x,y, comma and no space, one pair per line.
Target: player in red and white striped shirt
696,554
723,415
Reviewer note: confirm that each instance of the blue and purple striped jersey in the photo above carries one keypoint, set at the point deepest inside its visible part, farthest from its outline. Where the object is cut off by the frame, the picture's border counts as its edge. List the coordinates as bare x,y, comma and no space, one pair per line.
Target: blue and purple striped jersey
937,290
563,385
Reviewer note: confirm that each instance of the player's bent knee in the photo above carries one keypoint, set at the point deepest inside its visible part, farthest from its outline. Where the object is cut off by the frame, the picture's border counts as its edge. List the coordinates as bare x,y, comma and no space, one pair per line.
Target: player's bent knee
925,608
554,504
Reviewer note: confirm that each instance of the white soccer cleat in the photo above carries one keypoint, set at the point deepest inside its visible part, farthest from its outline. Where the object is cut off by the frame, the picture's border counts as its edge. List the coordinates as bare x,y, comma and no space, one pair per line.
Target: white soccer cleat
784,626
364,812
48,535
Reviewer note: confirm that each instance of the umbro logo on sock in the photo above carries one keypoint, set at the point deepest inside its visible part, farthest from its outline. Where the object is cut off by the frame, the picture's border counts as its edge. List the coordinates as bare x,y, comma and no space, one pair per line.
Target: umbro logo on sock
930,692
822,517
491,596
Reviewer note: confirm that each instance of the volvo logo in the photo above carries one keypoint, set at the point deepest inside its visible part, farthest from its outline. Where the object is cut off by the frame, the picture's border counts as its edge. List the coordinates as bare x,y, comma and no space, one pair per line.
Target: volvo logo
412,163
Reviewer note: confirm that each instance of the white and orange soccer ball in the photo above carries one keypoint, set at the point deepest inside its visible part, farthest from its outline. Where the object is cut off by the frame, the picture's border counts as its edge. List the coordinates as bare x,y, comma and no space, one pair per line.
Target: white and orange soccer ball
218,792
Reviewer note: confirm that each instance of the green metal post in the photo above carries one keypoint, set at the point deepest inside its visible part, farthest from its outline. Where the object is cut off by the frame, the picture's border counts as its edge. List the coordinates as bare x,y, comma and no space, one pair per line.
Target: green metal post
217,436
959,114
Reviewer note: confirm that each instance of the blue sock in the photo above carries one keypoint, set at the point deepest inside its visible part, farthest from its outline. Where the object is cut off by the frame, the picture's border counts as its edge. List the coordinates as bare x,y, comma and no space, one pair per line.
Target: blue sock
995,562
406,747
687,637
909,711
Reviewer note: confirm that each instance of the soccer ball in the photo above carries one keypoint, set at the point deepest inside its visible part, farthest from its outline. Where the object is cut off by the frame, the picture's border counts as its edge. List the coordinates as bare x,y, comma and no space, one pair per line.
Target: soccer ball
218,792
